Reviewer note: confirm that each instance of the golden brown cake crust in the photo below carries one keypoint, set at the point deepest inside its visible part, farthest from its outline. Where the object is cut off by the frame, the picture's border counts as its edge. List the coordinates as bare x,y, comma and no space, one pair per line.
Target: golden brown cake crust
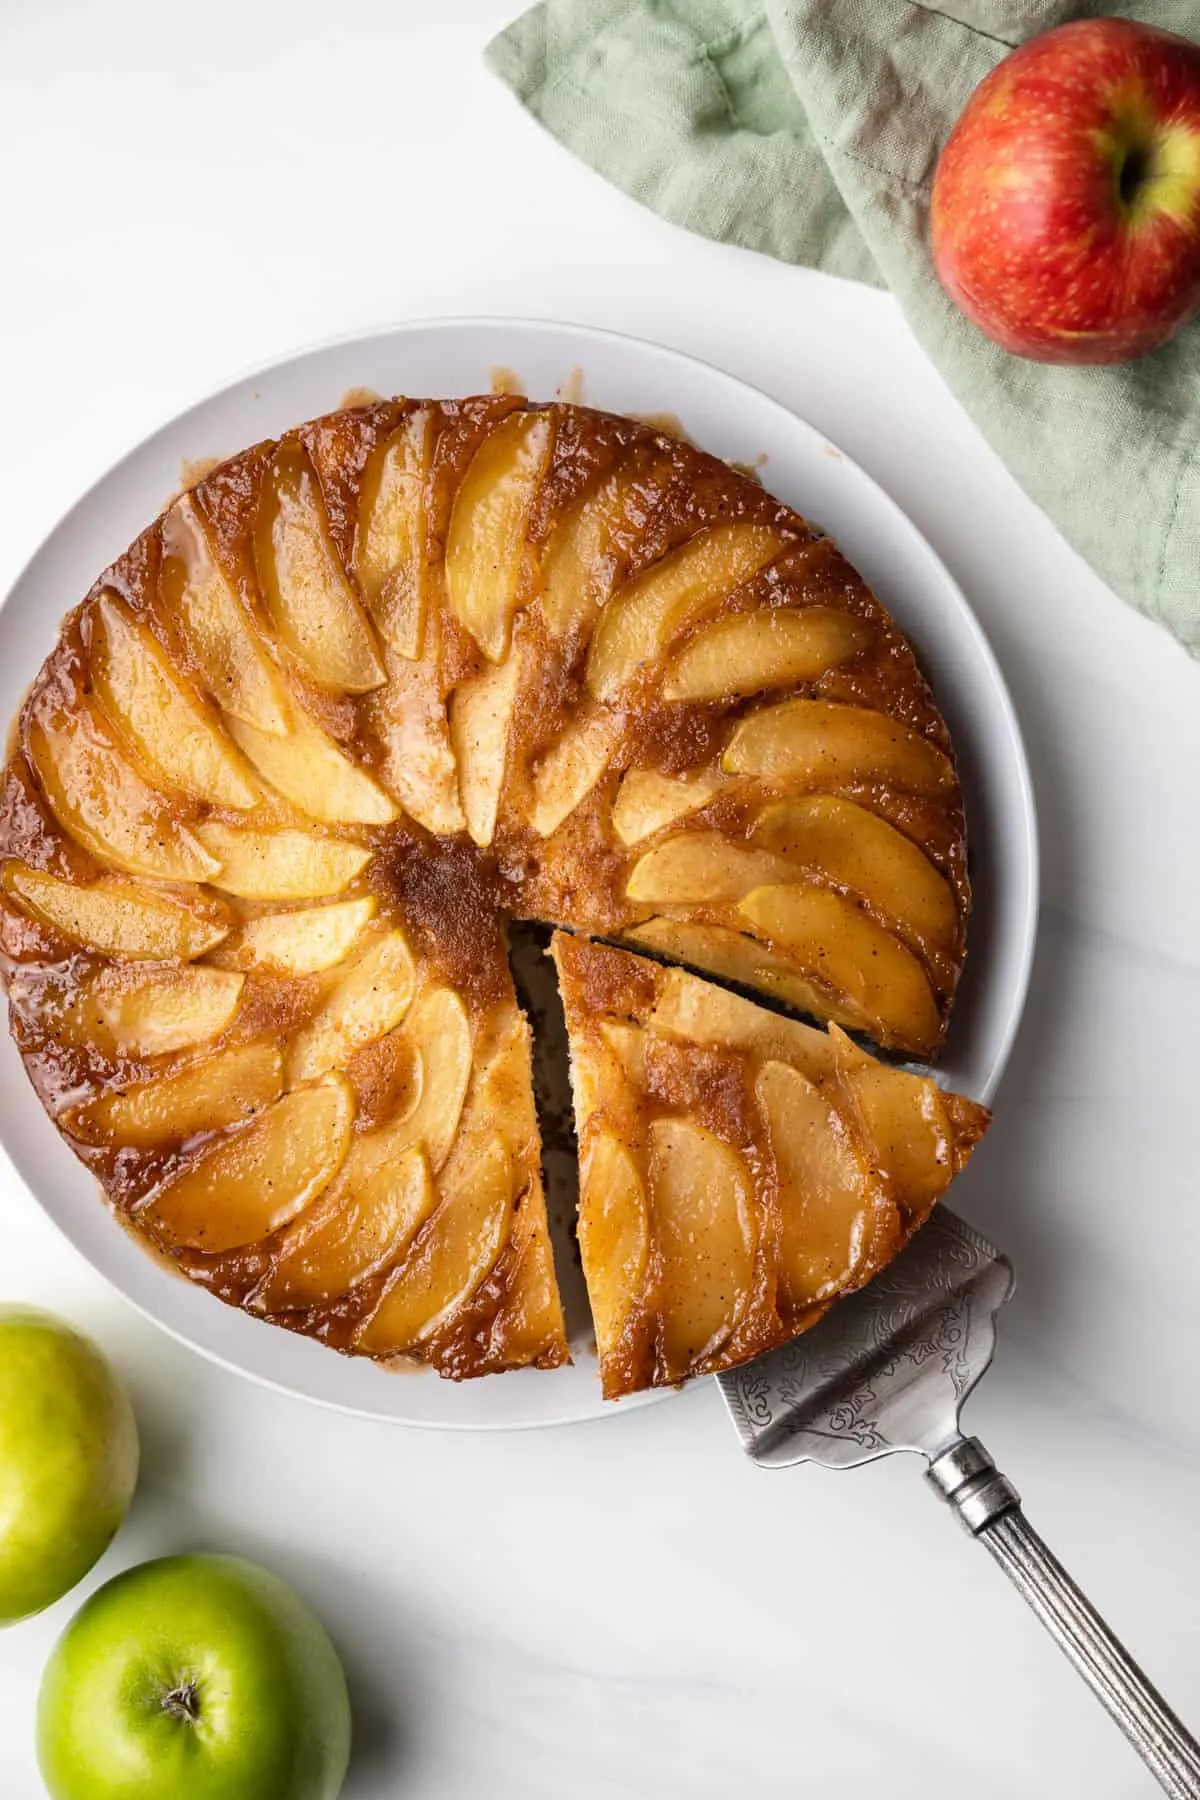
476,651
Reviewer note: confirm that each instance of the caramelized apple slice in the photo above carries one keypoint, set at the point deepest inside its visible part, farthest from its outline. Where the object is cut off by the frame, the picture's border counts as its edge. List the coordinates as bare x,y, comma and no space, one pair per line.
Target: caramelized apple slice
835,1214
579,567
642,617
821,744
297,943
705,1236
834,840
614,1235
255,1182
734,957
453,1254
119,918
480,716
441,1067
767,649
222,1090
281,865
628,1044
410,718
908,1135
439,1033
171,1011
367,1001
485,544
701,868
314,608
528,1329
696,1012
389,557
836,943
568,773
309,769
105,805
164,725
647,801
198,599
360,1225
500,1097
436,1037
901,1118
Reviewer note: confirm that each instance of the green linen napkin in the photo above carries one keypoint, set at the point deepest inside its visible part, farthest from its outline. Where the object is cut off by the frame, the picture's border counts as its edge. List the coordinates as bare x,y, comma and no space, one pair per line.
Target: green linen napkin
809,129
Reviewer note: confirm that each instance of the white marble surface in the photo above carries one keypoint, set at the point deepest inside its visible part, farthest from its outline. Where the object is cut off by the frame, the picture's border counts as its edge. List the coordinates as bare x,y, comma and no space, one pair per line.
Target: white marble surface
628,1608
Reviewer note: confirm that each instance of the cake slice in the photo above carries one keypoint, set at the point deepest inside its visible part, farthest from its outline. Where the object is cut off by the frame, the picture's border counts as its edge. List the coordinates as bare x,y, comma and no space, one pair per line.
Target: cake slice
739,1170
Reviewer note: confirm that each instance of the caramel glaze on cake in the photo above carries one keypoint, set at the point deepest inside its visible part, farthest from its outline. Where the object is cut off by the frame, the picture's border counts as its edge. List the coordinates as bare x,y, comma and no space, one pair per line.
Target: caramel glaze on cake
352,701
739,1171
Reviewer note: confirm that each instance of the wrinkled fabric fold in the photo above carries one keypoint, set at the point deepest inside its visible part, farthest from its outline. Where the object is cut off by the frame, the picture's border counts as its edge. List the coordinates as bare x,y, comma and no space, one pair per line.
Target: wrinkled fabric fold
809,130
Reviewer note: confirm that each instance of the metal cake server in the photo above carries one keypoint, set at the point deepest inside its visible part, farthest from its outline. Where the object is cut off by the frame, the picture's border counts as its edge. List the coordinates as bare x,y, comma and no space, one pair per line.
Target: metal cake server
888,1369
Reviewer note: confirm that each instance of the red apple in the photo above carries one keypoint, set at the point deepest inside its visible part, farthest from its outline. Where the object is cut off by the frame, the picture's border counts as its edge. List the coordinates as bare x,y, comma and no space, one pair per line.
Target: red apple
1066,203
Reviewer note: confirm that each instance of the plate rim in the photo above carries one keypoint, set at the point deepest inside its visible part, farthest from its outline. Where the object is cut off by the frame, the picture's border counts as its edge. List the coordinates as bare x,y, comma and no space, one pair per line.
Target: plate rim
1026,899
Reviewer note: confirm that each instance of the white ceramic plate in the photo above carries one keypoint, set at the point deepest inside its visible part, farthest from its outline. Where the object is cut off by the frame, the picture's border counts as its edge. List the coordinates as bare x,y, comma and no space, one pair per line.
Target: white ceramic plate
621,374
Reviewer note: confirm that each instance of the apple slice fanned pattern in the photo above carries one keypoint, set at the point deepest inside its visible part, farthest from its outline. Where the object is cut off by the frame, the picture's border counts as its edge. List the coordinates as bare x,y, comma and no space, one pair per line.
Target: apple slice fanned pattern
354,700
739,1170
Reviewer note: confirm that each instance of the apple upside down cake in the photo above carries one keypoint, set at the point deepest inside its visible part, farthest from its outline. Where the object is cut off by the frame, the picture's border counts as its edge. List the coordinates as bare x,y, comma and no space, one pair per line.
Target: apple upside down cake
352,703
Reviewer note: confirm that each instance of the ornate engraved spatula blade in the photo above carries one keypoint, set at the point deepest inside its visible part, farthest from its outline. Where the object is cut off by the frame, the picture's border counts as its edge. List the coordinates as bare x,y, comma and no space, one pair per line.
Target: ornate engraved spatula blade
888,1369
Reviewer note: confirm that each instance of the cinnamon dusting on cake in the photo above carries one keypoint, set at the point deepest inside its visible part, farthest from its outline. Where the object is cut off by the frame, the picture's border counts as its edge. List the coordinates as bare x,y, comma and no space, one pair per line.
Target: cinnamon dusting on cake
448,894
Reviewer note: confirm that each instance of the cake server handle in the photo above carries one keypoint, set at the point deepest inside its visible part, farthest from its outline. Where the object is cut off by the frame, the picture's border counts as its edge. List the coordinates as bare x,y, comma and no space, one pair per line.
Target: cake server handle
989,1507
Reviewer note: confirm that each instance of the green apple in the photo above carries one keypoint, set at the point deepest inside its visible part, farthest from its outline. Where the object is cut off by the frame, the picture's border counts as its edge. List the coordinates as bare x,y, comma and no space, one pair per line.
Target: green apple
68,1458
197,1678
